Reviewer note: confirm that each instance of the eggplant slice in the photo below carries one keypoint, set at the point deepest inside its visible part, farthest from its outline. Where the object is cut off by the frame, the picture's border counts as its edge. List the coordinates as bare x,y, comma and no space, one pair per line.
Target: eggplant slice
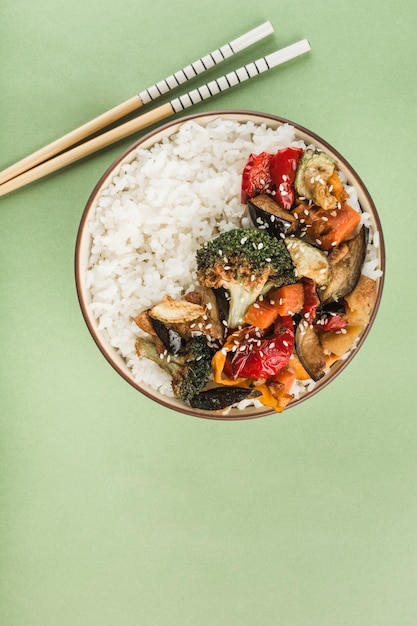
266,214
309,350
171,339
219,398
346,263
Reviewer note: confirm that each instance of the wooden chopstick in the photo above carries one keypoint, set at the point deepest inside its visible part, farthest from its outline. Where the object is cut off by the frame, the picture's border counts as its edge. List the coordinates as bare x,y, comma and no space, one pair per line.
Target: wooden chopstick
132,104
166,110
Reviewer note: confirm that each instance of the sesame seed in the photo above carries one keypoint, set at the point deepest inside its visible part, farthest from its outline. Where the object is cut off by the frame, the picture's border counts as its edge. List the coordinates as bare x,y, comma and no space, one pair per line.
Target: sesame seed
318,242
256,305
243,240
260,245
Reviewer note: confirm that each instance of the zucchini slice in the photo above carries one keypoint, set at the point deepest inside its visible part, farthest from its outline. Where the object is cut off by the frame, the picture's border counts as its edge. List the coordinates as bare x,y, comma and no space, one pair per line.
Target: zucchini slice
314,170
309,261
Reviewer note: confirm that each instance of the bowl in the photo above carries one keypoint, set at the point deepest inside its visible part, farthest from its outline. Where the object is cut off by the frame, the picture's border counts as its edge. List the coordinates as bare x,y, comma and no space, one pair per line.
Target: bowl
121,270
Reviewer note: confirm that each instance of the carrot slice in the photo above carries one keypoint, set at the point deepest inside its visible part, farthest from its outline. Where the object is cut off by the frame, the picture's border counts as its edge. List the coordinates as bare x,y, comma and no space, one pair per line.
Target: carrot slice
285,378
260,314
331,228
286,300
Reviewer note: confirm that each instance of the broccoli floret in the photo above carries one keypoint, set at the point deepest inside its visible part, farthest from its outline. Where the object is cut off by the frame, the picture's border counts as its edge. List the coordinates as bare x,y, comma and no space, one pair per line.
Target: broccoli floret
247,263
189,370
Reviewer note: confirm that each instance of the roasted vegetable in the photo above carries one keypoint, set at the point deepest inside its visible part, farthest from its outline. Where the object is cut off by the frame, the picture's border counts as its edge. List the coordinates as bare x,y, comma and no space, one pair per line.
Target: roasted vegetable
328,229
360,302
260,355
172,340
286,300
218,398
256,176
246,262
172,311
309,350
346,263
266,214
311,300
309,261
190,370
283,166
312,178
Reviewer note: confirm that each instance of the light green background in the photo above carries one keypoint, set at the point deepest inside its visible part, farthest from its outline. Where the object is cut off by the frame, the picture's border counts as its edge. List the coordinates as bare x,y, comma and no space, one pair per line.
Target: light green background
118,512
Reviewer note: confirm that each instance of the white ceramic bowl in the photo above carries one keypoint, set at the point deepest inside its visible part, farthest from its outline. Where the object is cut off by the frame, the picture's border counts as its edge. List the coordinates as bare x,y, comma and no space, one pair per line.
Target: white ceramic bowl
83,249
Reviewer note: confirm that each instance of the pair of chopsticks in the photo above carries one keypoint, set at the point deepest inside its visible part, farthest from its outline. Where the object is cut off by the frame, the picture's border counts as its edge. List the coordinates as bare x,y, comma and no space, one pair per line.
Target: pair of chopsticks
63,151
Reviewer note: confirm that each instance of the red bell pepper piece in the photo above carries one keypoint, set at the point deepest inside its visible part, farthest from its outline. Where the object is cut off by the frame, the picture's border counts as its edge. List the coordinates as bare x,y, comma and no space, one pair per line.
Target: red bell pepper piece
311,300
266,356
283,167
331,322
256,176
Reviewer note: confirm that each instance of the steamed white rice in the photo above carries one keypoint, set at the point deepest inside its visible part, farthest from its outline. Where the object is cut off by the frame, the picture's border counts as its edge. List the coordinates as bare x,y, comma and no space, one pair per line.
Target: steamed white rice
158,210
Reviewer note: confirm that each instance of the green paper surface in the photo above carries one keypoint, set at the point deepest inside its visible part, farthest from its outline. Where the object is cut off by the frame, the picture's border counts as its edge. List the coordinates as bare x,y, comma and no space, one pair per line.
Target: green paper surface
118,512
